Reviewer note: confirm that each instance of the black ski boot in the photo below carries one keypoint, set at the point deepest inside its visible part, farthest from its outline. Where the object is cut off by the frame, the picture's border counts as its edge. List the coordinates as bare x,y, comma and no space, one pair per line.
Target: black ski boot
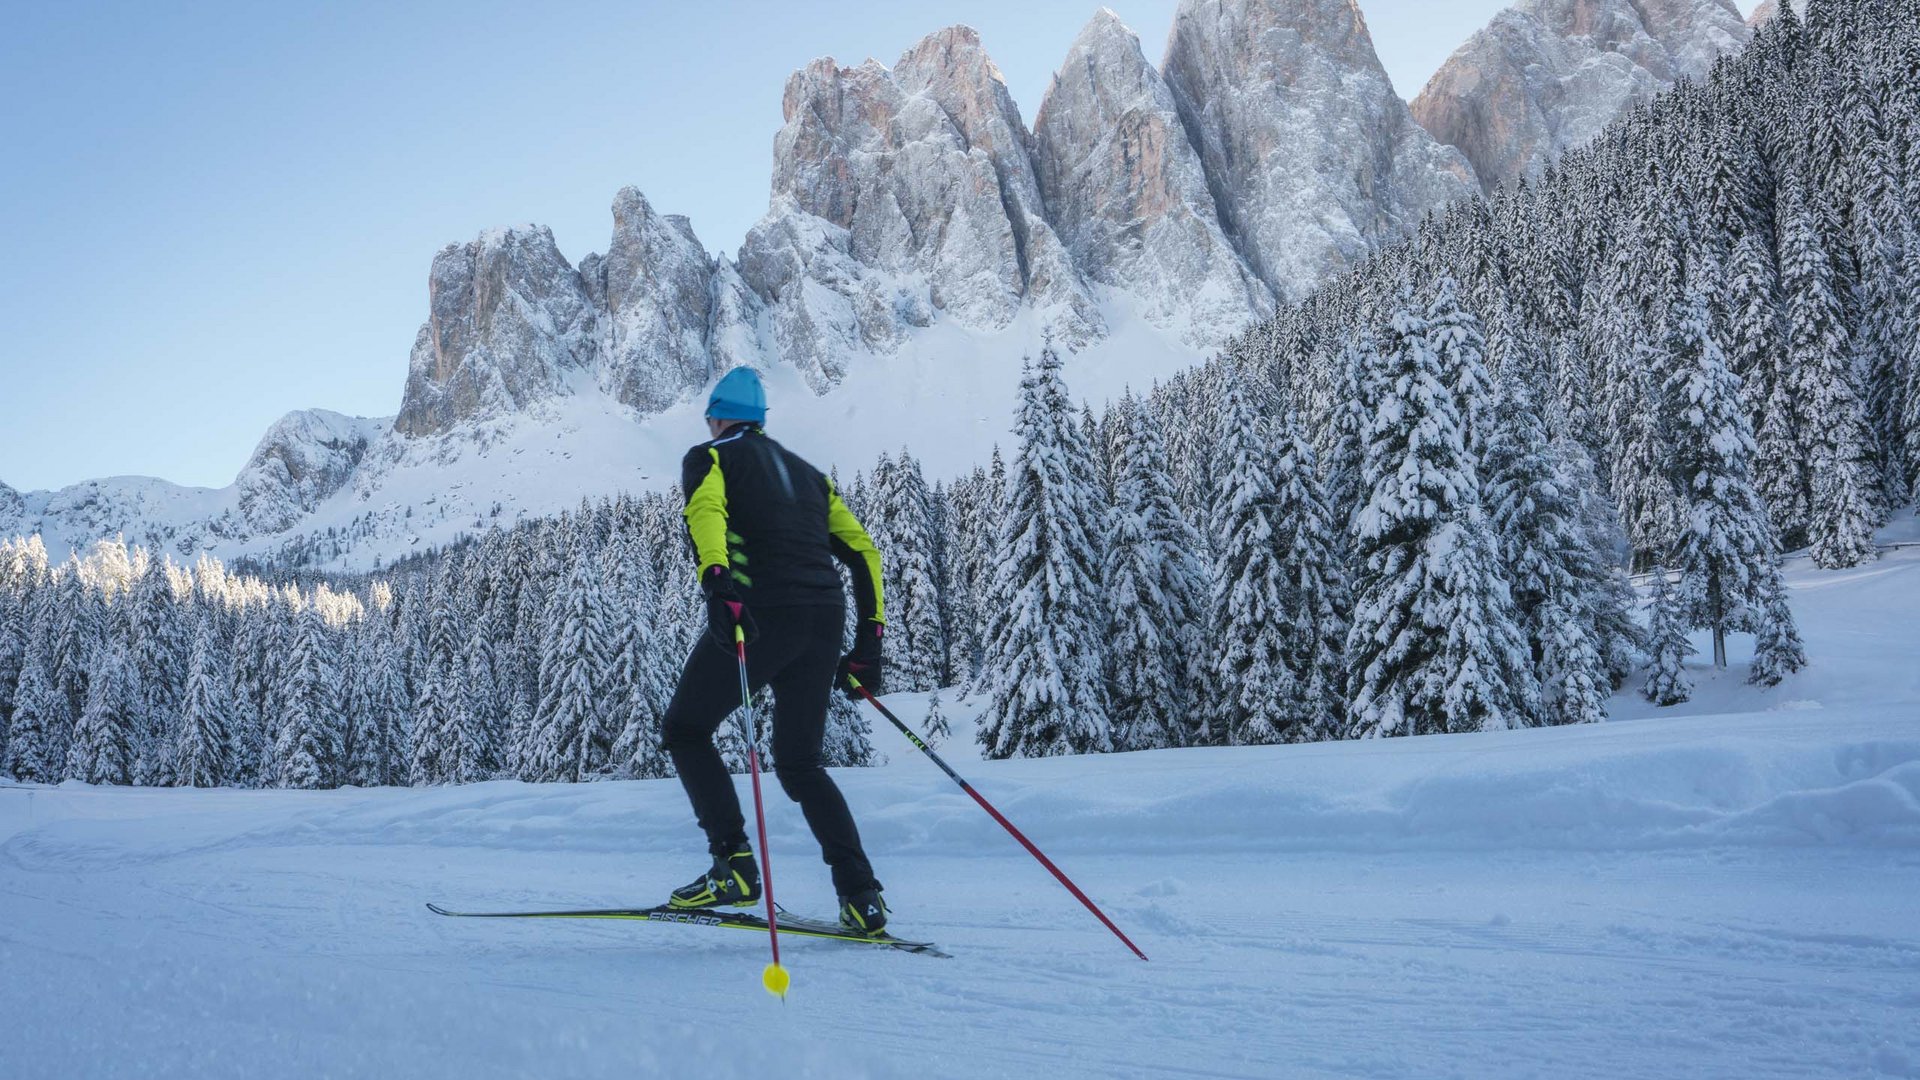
733,880
864,912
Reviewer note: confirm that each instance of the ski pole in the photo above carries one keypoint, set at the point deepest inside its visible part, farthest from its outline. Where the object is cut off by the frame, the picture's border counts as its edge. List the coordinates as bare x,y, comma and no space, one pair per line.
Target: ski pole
775,977
997,816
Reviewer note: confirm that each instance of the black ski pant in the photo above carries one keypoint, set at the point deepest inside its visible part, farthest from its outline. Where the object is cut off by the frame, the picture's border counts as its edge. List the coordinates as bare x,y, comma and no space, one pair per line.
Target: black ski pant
796,652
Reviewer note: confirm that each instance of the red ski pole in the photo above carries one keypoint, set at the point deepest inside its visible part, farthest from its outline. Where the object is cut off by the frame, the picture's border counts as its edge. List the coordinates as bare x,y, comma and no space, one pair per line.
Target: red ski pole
996,815
775,977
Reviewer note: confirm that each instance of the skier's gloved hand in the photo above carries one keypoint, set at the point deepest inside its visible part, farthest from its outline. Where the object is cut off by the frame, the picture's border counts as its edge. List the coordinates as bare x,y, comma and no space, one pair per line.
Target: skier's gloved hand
864,661
724,608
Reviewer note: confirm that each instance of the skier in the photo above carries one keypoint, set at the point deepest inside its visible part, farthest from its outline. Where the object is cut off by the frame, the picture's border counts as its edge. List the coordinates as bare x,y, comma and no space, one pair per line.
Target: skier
765,528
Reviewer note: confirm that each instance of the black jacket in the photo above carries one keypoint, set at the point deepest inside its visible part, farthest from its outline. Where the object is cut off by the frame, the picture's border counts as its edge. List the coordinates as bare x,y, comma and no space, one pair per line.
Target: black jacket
776,523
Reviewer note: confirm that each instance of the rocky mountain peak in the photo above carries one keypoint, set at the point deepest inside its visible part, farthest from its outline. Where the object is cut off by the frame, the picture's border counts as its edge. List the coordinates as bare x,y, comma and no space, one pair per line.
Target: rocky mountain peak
1547,75
302,459
1128,192
654,292
1310,155
509,320
921,198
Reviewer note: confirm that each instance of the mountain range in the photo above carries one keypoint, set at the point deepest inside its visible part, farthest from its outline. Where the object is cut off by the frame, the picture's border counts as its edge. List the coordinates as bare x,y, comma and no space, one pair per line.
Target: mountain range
920,240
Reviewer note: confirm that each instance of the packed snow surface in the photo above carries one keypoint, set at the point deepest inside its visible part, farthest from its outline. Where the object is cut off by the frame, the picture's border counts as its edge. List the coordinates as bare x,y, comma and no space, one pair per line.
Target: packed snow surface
1724,889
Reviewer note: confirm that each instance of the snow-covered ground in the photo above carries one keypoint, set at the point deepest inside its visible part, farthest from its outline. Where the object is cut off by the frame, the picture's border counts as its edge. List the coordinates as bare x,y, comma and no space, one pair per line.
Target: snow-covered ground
1726,889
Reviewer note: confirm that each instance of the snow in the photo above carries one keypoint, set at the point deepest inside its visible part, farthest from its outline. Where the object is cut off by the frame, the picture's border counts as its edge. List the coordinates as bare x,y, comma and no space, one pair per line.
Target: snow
1722,889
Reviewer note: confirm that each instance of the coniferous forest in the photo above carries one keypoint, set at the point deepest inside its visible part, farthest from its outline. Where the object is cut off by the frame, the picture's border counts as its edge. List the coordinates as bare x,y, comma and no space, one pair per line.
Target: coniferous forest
1408,504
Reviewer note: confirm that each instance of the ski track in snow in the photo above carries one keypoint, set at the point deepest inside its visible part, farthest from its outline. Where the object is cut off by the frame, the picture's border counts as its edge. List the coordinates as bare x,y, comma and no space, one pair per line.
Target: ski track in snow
1724,889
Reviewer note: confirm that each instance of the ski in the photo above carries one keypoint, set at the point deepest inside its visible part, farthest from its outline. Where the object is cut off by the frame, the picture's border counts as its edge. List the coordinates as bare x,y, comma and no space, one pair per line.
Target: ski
798,926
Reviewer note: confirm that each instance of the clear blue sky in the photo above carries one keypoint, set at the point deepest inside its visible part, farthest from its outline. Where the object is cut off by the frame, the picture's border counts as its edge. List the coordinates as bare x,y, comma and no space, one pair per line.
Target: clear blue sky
214,213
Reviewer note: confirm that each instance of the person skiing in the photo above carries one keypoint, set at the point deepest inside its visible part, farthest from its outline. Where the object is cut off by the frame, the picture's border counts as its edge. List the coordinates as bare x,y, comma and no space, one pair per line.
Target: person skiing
766,529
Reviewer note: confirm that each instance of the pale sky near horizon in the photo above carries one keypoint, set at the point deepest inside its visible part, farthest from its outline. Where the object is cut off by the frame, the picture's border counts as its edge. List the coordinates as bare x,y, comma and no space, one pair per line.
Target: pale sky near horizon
219,212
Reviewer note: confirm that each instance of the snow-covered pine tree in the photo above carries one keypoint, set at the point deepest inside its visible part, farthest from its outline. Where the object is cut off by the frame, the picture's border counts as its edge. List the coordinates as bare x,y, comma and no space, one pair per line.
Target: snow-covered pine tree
1251,689
1041,665
1842,510
437,697
642,658
158,654
1757,354
901,522
14,601
1909,338
934,730
1725,556
102,748
42,720
571,739
1156,595
479,719
846,744
203,750
1778,651
1144,692
1650,507
1346,431
1557,578
1613,606
1433,647
78,632
1667,682
1315,601
309,750
255,643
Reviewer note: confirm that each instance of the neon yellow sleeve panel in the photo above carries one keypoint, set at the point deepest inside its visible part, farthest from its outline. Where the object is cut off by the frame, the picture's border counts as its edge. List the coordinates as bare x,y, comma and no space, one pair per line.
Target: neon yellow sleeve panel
847,530
706,515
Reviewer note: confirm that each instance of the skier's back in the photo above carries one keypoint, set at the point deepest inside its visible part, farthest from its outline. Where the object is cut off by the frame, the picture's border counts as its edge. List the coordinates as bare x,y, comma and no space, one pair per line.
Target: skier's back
767,529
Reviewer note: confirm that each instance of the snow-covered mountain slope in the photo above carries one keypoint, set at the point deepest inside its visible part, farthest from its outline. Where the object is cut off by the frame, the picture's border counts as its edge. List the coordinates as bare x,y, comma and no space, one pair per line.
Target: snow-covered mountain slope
1723,890
920,241
1548,75
949,393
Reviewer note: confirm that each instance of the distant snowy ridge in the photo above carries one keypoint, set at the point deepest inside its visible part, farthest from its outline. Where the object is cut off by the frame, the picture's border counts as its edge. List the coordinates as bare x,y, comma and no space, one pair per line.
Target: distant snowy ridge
919,240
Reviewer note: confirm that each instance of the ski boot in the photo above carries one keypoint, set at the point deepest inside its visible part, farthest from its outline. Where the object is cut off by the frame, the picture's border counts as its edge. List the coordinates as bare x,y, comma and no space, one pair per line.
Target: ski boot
864,912
733,880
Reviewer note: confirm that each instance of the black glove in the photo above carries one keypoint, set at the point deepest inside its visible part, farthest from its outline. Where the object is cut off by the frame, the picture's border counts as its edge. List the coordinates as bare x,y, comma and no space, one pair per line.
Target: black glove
724,608
864,661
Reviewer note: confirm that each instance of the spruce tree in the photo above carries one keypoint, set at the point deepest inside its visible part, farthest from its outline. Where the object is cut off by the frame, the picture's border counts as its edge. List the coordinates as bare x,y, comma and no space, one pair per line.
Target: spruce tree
901,523
14,608
1251,687
1778,651
1433,647
570,737
1667,682
1842,514
1316,600
102,749
1557,578
203,750
309,750
479,719
255,642
158,654
1154,589
42,721
1041,666
1725,557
